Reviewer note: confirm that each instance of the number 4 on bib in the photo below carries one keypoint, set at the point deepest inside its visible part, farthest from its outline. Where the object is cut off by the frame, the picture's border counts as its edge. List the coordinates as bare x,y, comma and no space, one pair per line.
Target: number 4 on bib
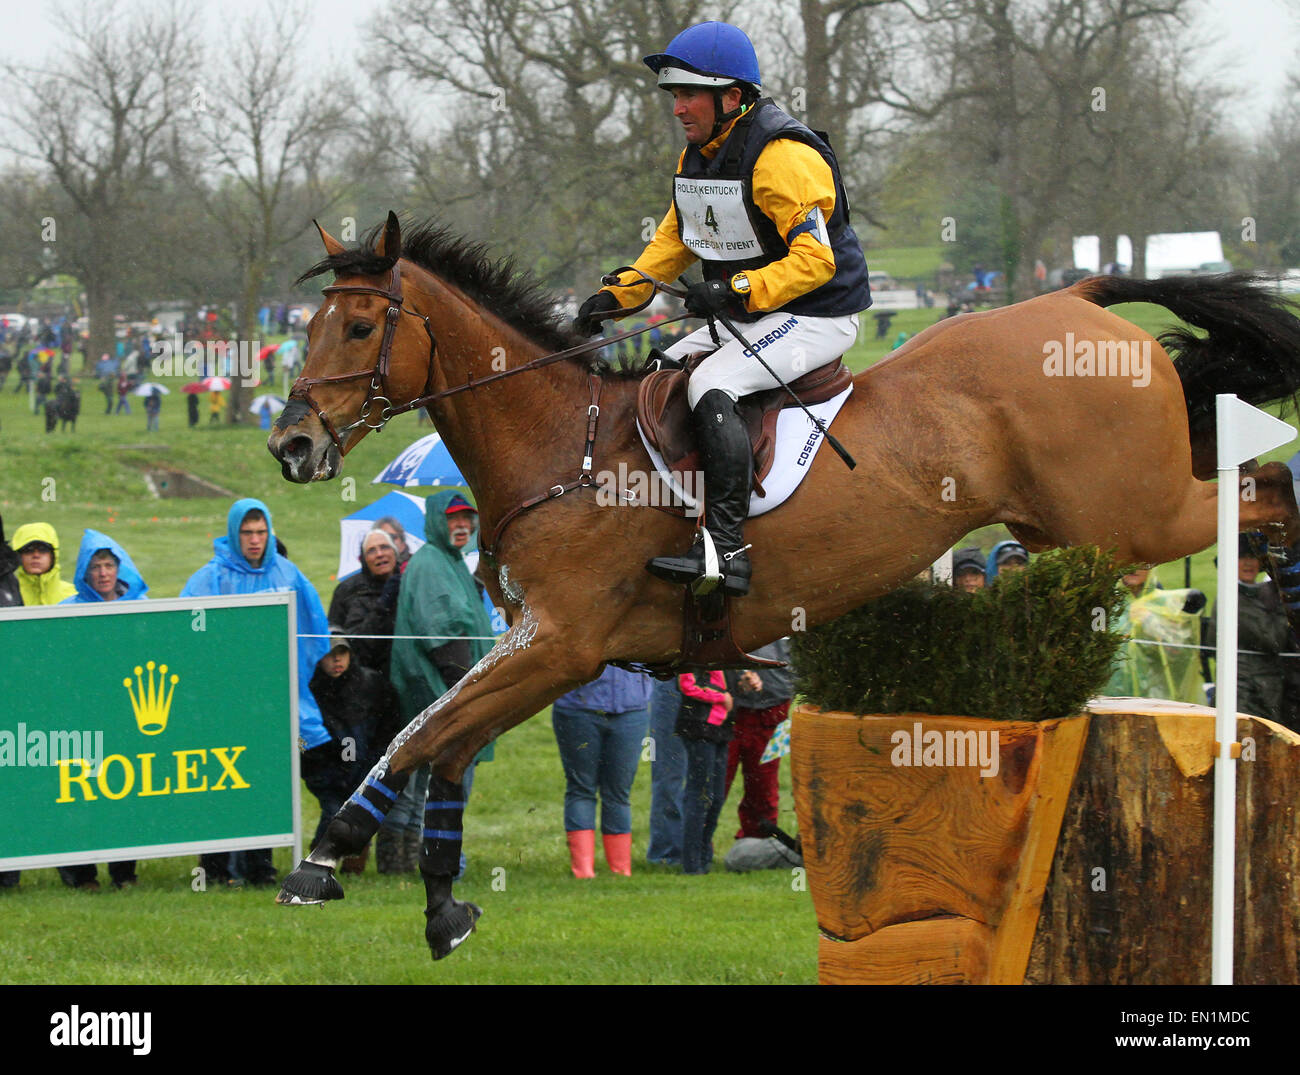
710,220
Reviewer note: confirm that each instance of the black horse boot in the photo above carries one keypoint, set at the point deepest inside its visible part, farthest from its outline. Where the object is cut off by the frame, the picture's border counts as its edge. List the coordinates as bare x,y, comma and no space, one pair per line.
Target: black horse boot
718,555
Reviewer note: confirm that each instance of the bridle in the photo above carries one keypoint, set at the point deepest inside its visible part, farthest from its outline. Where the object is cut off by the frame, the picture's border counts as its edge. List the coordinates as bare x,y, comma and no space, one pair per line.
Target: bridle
378,373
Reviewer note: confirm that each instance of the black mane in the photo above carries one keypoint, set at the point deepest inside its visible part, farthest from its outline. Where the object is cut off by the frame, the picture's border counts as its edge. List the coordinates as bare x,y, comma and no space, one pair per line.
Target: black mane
498,285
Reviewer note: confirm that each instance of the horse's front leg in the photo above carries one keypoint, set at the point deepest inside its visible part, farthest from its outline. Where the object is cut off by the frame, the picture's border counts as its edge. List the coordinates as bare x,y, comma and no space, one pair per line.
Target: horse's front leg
526,670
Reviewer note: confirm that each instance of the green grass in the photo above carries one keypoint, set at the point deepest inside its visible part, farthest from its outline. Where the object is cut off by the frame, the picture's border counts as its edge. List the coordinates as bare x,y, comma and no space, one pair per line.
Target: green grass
539,925
905,262
657,926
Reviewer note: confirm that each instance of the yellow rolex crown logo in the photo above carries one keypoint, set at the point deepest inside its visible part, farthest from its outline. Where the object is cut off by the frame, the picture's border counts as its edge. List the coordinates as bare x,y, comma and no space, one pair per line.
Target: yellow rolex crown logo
151,698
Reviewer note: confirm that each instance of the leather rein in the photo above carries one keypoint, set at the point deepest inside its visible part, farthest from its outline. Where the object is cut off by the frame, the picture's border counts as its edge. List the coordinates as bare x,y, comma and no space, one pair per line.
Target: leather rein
378,374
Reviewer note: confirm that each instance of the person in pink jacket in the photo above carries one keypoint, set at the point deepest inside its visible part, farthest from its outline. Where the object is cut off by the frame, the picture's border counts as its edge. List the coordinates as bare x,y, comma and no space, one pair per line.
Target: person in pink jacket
704,725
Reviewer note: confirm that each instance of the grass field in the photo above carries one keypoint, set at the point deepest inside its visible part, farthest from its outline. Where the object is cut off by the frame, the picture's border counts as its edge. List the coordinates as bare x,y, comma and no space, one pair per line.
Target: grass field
540,925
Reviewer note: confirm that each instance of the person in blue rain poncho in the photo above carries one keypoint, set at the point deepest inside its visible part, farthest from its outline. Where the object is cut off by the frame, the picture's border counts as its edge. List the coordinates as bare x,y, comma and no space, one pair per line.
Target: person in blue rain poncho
105,572
245,561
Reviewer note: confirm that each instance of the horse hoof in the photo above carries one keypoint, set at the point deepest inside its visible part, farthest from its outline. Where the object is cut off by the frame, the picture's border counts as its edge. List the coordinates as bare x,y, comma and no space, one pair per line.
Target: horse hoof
308,884
447,931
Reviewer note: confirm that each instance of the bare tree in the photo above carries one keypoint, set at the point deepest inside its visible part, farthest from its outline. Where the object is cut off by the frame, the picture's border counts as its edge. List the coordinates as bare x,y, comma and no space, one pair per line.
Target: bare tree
98,120
265,142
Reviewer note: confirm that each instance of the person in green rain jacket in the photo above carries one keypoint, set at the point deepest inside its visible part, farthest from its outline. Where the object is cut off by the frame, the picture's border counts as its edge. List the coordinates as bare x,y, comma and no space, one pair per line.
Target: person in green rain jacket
439,602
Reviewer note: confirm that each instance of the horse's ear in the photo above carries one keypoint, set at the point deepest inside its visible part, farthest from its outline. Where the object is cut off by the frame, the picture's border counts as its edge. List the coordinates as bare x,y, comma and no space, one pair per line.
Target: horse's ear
332,245
390,243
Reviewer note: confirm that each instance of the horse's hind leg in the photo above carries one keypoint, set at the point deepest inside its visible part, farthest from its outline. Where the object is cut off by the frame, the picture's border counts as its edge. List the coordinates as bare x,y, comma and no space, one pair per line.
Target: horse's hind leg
448,921
1266,502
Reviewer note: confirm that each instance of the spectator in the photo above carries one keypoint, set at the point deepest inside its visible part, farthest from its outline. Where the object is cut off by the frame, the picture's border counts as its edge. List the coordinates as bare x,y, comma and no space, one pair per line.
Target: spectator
762,702
1006,556
6,364
192,408
152,408
366,603
968,569
44,386
439,606
245,560
104,573
214,407
1262,636
1171,668
359,708
39,575
667,774
599,729
705,726
397,532
123,393
10,593
10,597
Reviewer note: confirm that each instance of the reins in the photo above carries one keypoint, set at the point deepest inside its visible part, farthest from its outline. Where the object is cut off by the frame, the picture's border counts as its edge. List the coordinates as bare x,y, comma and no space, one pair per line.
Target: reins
378,373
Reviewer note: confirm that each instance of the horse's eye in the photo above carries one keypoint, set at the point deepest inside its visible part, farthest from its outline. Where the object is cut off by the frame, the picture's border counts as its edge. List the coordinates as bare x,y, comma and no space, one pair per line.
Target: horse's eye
360,330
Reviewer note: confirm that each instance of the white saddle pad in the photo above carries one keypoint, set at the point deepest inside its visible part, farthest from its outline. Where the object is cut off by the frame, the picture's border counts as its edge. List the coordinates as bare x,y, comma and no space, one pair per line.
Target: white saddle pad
797,443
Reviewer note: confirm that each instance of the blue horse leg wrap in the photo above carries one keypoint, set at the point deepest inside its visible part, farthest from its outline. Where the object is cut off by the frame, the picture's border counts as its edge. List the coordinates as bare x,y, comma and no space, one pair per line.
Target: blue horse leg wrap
444,823
365,811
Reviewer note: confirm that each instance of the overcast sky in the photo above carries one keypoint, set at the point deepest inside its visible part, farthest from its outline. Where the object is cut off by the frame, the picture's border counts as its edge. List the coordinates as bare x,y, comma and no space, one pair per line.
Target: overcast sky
1256,41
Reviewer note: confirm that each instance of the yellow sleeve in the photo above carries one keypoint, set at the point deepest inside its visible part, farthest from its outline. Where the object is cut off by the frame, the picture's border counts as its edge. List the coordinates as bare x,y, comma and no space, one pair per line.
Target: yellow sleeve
791,180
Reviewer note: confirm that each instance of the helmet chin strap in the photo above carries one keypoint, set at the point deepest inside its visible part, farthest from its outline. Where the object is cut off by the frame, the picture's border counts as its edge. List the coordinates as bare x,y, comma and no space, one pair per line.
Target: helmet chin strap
721,118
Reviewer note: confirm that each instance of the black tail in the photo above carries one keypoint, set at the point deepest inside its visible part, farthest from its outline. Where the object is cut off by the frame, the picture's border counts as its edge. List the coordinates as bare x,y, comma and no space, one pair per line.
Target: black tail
1251,345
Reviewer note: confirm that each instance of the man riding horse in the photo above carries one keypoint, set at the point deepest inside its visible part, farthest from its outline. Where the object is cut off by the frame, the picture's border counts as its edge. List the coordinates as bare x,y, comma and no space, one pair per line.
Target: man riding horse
759,200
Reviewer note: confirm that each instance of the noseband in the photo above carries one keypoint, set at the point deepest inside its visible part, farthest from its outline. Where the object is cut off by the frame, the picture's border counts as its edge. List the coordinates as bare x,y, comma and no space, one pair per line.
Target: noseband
378,373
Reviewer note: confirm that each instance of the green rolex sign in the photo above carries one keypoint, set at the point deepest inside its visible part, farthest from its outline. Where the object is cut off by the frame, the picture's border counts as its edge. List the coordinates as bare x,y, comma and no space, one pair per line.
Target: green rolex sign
143,729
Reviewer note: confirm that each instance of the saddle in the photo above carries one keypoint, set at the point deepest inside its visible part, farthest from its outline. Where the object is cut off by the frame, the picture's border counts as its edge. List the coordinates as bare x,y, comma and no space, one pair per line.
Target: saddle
664,415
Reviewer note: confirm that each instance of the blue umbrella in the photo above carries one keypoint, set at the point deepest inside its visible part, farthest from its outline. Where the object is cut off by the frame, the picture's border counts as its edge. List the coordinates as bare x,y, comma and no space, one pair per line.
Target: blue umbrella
426,462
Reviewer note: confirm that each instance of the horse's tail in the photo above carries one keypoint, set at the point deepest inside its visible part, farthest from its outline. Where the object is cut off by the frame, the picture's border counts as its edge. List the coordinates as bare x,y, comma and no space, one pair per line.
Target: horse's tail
1251,346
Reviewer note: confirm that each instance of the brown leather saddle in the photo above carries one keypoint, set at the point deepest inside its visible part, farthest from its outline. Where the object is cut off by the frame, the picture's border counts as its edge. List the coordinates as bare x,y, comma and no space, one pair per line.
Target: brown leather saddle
664,414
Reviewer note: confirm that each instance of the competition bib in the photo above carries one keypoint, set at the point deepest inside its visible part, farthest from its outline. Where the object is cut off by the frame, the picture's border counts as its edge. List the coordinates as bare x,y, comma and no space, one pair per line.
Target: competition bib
713,221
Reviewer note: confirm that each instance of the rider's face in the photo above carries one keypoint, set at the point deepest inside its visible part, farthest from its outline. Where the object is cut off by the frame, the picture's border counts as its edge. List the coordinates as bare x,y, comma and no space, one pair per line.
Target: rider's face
694,108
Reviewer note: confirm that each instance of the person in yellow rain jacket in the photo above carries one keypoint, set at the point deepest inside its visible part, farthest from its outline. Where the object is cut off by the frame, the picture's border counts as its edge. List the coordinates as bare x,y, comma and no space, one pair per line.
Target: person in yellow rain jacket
758,199
1161,659
39,577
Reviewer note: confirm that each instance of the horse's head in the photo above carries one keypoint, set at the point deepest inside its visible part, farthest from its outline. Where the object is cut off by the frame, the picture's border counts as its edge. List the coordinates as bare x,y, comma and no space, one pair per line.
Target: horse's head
364,358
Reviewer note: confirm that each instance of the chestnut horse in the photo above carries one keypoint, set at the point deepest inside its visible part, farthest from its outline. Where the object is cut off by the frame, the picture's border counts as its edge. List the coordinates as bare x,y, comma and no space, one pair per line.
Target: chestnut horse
1053,416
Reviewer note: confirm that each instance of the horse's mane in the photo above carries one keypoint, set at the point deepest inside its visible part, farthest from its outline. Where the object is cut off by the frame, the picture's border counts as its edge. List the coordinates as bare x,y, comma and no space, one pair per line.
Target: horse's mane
497,284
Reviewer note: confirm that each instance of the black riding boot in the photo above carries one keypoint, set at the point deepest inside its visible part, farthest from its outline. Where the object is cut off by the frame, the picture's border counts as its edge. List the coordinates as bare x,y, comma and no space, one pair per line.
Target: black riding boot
728,462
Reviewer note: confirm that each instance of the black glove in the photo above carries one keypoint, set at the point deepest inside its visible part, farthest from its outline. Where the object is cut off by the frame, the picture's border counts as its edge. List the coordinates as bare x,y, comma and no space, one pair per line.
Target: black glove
595,310
1195,602
710,297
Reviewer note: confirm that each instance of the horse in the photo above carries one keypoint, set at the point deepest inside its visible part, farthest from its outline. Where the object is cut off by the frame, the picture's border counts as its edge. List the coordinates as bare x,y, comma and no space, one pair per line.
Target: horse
1000,416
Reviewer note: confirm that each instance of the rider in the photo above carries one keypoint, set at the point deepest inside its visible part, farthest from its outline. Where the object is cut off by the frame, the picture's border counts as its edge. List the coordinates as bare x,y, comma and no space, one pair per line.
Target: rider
758,199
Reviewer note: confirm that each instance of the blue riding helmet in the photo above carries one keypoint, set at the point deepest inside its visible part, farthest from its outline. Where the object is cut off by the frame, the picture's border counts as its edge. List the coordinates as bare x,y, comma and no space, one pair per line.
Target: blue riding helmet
711,54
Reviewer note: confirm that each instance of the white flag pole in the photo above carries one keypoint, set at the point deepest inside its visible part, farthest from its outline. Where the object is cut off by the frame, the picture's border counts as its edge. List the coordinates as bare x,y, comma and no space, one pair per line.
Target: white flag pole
1244,432
1225,702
